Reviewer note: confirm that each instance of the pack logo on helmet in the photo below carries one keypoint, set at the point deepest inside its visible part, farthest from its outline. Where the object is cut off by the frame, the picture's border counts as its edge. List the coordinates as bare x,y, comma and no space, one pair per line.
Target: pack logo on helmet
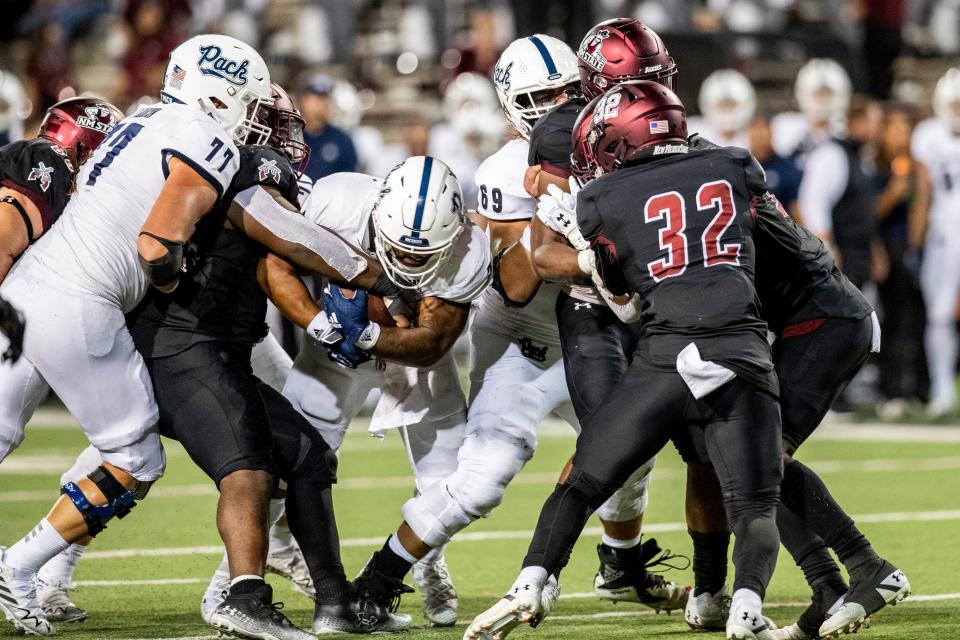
42,174
590,50
268,169
501,76
94,119
212,62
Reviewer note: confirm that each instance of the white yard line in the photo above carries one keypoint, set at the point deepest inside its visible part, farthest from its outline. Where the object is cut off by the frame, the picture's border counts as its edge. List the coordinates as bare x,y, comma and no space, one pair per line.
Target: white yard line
639,613
482,536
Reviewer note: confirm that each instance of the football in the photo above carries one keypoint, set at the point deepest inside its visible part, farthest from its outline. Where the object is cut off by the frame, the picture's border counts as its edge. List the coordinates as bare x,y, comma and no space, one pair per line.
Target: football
376,308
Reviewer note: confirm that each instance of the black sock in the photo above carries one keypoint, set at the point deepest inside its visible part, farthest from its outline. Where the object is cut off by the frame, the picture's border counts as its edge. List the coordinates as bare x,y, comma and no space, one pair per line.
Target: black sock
246,586
808,549
805,494
709,561
390,564
310,514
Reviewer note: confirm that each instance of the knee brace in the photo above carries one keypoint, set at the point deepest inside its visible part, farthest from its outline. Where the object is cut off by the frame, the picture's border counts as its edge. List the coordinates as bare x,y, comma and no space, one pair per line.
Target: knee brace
630,500
120,500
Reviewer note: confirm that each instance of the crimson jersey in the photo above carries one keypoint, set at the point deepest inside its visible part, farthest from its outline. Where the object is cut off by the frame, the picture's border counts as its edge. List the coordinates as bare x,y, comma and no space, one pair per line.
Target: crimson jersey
678,230
797,277
39,170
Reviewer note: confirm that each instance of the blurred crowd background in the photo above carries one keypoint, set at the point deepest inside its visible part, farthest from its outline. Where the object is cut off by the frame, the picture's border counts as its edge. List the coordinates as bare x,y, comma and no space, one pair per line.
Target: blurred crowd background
378,80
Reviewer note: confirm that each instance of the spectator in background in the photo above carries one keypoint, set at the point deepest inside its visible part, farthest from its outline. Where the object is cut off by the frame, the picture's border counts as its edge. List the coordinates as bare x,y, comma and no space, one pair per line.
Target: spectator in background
155,28
48,65
903,371
783,174
836,195
331,149
882,41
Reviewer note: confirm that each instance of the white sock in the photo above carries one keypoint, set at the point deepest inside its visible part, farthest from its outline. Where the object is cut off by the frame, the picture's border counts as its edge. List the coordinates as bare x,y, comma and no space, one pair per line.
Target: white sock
750,600
246,576
530,576
224,565
398,549
280,536
621,544
59,570
36,548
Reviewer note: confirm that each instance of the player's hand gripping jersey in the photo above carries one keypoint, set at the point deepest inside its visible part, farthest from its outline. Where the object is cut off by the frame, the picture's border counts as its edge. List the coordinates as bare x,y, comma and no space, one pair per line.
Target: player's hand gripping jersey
218,298
94,246
679,231
503,198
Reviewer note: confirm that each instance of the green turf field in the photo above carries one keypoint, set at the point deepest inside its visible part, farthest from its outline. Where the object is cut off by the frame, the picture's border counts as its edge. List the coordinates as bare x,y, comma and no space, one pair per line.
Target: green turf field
147,573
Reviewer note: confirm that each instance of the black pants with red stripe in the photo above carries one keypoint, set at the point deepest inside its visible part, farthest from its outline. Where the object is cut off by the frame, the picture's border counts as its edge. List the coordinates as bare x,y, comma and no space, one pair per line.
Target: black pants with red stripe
814,361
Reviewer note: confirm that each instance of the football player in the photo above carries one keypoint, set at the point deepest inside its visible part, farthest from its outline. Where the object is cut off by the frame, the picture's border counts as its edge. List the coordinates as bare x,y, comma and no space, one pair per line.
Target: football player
727,101
414,222
809,305
706,355
123,231
596,334
936,147
14,108
822,91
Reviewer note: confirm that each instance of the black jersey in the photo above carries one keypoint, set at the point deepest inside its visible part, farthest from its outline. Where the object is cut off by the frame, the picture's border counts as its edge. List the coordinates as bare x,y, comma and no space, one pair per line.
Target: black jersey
678,230
41,171
219,298
551,138
797,278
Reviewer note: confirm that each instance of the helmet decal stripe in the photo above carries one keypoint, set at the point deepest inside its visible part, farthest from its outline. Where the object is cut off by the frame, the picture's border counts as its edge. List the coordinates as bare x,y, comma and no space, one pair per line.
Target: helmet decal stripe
547,58
422,199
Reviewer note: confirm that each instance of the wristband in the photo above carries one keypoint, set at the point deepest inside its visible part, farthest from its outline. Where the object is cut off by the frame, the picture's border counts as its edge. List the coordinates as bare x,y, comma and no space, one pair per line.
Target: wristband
368,338
321,331
587,261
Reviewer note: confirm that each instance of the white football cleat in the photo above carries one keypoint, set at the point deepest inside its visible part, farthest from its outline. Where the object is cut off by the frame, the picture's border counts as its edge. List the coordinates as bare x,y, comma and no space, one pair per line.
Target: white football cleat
708,612
18,600
56,604
745,623
215,594
440,603
791,632
288,563
524,604
882,586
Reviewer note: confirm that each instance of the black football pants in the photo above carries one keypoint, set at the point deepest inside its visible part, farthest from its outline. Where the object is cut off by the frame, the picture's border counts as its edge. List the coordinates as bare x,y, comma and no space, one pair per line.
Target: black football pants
637,418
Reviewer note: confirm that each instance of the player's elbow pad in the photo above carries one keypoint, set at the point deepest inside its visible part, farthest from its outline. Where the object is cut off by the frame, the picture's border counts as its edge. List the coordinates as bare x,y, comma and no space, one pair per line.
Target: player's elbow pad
165,269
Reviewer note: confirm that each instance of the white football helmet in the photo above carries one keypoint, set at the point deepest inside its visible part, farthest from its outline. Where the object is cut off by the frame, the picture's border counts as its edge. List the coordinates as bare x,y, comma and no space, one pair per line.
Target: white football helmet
823,90
529,75
223,77
15,107
467,101
416,219
946,99
727,101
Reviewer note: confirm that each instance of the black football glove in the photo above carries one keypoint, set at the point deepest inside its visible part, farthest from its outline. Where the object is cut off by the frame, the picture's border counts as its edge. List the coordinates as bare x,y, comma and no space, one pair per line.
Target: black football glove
12,325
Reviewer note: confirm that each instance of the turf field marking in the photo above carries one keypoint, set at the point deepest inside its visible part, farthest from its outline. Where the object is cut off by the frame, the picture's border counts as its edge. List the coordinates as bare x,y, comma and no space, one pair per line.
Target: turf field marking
480,536
140,583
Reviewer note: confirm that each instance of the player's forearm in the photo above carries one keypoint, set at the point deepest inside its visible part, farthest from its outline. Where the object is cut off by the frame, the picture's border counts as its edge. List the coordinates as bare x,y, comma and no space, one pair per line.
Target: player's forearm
553,259
13,238
414,347
518,278
288,292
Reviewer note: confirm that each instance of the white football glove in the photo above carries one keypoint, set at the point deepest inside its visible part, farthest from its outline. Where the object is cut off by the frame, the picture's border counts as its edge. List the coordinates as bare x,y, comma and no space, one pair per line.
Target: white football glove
558,210
322,332
627,311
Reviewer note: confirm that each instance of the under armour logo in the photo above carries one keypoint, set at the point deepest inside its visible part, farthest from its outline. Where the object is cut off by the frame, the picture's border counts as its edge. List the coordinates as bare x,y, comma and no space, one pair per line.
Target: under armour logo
752,619
562,219
581,305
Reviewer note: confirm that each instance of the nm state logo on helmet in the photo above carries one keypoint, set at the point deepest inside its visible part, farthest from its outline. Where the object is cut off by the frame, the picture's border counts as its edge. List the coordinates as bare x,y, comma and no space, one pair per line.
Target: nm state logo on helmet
212,62
98,118
590,49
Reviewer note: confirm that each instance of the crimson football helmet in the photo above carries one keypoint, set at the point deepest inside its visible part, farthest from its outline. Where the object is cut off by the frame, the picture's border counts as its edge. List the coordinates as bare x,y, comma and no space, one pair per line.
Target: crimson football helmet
78,125
623,50
286,128
628,122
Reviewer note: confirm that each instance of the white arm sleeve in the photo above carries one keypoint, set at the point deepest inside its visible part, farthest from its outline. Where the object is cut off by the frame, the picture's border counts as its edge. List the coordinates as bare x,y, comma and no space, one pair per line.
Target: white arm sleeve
824,179
292,227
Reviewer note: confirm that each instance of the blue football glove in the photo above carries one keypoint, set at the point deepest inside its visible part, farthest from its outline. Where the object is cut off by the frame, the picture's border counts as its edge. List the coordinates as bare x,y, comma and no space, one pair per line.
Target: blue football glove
349,317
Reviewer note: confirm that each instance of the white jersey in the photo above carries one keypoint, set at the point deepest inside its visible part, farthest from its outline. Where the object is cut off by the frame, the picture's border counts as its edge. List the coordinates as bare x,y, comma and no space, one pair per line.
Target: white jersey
343,203
938,149
94,244
503,198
